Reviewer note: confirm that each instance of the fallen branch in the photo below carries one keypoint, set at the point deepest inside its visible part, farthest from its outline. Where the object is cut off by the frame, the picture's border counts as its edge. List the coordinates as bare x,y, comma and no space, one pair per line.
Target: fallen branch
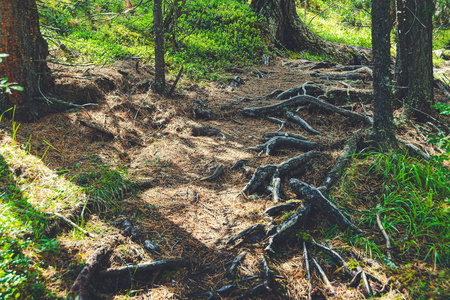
69,222
388,241
172,89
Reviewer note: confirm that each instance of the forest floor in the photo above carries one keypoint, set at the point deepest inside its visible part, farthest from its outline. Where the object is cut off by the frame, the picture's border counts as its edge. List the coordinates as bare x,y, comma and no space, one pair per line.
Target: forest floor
154,140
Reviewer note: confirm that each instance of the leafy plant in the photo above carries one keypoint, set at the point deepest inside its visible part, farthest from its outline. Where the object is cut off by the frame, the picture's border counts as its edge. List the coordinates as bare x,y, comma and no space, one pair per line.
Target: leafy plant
6,86
441,140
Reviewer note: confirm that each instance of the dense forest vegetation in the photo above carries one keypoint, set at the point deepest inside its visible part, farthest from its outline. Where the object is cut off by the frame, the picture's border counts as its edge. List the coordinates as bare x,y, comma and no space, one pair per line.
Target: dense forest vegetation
118,191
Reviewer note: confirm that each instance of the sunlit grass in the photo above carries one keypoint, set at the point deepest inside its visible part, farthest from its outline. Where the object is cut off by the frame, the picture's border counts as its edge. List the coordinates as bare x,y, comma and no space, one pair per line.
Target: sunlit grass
332,27
411,196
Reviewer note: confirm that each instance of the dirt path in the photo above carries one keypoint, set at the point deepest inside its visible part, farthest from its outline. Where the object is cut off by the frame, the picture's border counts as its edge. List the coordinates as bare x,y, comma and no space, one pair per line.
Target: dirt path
185,216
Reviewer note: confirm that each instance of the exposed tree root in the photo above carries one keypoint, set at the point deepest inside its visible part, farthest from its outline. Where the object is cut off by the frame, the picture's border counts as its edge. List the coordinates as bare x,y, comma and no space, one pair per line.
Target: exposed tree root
278,209
270,177
308,270
388,241
283,141
268,274
79,289
303,100
288,227
319,202
146,267
97,127
286,134
234,263
217,171
250,234
293,166
300,122
363,73
324,276
341,163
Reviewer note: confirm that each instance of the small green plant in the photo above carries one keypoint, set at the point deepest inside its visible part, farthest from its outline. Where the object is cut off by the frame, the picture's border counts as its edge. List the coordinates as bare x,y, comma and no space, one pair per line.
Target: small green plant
6,86
104,186
440,139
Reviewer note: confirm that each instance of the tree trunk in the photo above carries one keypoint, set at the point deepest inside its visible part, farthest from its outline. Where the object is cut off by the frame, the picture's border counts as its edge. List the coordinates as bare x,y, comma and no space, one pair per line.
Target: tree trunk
401,67
21,39
287,30
160,81
383,125
417,61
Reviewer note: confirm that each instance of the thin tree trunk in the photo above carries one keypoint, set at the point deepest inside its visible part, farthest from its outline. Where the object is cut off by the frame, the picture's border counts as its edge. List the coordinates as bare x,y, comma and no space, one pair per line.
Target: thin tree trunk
160,81
384,130
21,39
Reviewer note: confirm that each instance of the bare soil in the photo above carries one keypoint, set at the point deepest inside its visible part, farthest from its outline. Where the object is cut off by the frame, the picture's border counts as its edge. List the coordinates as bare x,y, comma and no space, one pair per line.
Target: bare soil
185,216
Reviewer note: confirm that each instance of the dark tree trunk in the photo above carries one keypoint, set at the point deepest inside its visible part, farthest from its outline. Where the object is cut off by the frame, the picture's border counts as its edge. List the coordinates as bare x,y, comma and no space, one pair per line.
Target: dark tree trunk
383,126
401,67
21,39
160,81
287,30
416,61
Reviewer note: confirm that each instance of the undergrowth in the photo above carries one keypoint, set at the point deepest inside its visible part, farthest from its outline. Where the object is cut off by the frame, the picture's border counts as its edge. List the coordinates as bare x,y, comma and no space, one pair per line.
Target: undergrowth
412,198
208,35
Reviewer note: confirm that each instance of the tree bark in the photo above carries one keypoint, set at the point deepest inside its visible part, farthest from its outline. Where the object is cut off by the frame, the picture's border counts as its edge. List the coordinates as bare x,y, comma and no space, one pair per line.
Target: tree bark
417,61
21,39
160,80
383,125
286,29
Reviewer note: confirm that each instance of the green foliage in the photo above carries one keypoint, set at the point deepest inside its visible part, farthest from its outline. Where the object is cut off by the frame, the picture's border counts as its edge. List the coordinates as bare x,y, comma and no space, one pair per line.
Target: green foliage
440,139
413,203
104,186
346,22
208,36
20,228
